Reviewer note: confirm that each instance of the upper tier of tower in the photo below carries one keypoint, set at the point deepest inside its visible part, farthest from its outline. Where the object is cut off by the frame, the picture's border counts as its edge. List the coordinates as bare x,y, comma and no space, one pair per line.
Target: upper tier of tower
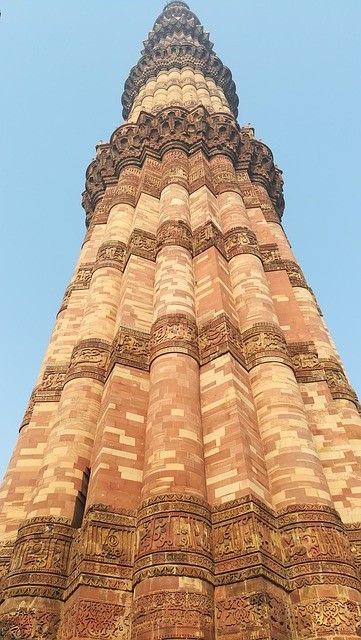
178,67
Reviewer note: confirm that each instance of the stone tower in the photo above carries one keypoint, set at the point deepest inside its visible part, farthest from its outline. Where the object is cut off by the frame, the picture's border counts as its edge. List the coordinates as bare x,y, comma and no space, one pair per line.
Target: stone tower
189,462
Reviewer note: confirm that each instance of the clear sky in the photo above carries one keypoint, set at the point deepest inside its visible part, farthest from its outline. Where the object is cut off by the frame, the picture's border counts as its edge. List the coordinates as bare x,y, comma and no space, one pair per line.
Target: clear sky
296,65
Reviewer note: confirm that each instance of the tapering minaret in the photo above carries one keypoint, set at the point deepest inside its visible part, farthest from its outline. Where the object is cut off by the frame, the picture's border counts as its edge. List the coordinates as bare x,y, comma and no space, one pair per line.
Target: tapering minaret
189,462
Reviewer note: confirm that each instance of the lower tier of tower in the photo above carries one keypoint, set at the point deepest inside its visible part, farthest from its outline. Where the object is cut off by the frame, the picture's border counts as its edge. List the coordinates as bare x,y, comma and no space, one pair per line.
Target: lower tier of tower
178,568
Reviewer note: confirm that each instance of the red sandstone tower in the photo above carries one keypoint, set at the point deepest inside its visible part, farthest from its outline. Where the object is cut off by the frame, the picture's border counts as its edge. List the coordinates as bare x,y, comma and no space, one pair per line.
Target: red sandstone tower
189,462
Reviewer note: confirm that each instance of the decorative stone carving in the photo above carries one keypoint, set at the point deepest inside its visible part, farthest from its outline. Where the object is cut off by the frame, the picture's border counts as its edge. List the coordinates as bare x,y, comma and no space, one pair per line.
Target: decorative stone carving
89,360
131,348
216,133
111,254
240,240
271,257
305,362
141,243
29,409
175,168
327,616
174,333
65,300
297,279
151,177
173,538
257,615
206,236
174,613
29,623
220,336
224,177
83,277
337,381
199,172
174,233
93,619
264,342
39,562
263,171
53,378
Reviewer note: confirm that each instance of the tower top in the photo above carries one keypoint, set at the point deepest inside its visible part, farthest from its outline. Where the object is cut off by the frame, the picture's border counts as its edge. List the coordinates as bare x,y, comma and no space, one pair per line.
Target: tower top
177,41
176,2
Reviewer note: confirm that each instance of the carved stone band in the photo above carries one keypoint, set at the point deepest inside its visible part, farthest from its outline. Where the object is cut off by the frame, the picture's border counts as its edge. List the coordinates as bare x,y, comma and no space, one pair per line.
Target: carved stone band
40,558
174,333
173,614
49,389
111,254
89,360
174,233
218,337
338,384
305,362
206,236
134,145
272,261
264,342
142,244
130,348
240,240
175,532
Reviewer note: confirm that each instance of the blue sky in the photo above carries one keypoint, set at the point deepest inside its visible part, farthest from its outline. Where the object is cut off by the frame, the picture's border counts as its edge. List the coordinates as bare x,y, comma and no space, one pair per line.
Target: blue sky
63,65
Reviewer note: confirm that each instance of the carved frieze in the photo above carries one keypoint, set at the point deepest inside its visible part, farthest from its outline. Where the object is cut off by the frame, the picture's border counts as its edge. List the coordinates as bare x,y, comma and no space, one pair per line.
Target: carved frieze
224,177
66,298
178,614
81,281
206,236
93,619
175,167
174,233
151,177
255,615
40,558
49,389
174,333
220,336
264,342
173,538
263,171
89,360
297,279
199,172
240,240
337,381
28,623
111,254
141,243
327,617
271,257
305,362
219,137
130,348
83,277
265,202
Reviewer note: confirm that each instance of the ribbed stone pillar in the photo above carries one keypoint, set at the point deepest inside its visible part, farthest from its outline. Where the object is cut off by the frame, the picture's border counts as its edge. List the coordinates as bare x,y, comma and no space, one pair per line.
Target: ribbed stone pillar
173,519
290,451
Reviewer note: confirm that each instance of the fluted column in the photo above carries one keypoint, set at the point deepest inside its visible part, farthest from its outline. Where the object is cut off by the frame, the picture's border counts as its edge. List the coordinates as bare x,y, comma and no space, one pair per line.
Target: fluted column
290,452
289,435
234,458
331,405
68,452
173,520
